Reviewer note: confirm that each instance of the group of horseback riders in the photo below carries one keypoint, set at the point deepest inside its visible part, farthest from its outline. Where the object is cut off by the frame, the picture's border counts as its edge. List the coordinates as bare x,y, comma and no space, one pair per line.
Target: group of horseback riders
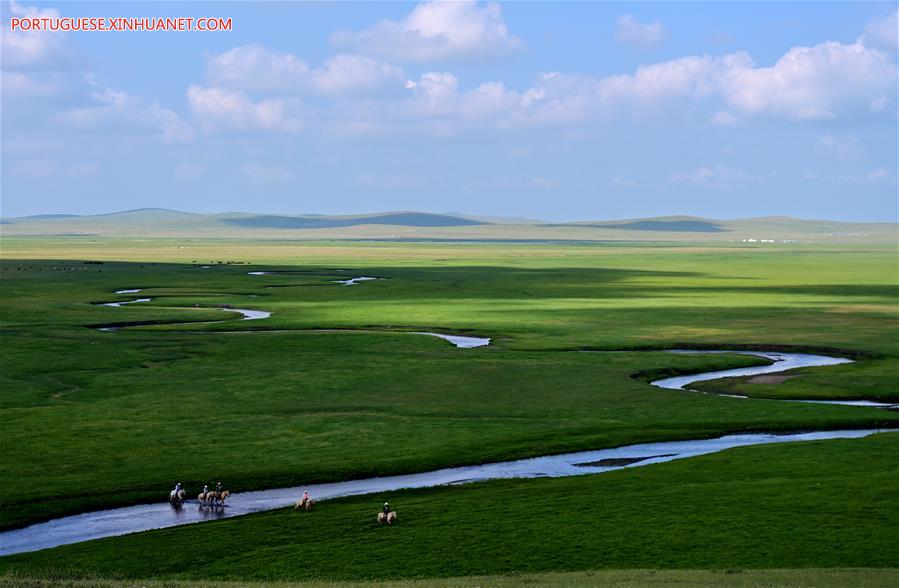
219,494
206,498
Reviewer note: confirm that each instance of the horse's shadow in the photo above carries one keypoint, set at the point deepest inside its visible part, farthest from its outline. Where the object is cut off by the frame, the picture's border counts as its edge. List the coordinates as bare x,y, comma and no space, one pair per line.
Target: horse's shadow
211,510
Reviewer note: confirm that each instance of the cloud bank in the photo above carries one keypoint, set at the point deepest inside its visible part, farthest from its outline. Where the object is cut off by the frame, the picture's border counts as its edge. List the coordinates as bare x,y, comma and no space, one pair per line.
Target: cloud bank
436,31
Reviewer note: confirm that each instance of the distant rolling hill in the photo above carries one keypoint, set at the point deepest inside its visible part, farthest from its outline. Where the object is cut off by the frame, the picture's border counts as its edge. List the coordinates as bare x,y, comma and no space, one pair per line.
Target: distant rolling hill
410,225
686,226
403,219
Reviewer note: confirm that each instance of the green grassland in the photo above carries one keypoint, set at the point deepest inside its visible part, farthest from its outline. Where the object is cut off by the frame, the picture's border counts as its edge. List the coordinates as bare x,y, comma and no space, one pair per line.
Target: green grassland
737,578
528,296
94,419
816,504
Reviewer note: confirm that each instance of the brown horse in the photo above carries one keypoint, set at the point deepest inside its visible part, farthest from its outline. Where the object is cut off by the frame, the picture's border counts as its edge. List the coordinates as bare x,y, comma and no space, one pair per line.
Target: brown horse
388,518
304,504
208,498
222,496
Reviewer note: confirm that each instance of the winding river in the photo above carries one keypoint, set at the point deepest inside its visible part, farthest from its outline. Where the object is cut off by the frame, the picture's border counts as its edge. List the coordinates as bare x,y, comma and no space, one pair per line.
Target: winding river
780,362
347,282
354,281
248,314
463,342
120,521
123,302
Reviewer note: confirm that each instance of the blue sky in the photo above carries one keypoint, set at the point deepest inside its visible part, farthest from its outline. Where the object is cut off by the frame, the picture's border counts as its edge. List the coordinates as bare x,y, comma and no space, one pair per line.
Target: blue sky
558,111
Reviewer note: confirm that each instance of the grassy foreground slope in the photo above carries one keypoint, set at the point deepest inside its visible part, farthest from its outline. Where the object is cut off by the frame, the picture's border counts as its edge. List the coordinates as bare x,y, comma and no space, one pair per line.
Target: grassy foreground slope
790,578
816,504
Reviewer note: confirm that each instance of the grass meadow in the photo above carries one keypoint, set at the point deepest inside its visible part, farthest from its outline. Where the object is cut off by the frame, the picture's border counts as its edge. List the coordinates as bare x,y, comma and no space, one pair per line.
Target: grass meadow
95,419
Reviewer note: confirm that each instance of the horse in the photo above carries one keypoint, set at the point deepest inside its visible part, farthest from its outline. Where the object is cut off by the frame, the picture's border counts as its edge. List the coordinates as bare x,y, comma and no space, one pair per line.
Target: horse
207,498
220,497
388,518
304,504
176,498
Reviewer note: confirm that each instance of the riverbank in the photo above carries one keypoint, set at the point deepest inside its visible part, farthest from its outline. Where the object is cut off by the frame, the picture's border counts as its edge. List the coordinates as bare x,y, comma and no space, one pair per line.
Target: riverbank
323,430
108,523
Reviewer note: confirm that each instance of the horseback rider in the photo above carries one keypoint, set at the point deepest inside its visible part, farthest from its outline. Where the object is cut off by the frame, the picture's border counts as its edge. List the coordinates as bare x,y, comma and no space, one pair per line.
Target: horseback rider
176,493
218,487
386,509
205,489
306,498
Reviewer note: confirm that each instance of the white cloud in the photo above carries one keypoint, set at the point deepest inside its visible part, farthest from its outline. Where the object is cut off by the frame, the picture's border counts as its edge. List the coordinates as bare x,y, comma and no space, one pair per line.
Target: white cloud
266,173
717,177
437,94
257,69
344,74
122,113
846,149
437,31
34,50
653,90
252,88
659,84
220,109
633,32
882,32
826,81
875,176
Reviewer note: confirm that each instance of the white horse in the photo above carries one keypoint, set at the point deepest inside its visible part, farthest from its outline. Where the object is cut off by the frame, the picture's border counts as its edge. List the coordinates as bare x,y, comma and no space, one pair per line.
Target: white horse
388,518
306,504
176,498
